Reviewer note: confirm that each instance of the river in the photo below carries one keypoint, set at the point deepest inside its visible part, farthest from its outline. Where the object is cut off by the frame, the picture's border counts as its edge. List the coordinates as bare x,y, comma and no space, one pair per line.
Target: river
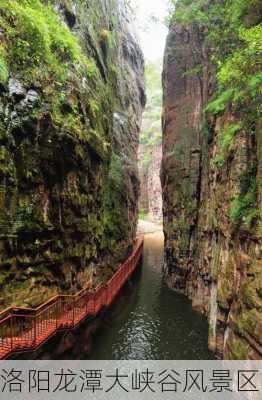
149,320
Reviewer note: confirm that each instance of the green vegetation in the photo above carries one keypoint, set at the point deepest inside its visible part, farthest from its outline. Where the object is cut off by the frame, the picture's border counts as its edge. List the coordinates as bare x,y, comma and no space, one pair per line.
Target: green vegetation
56,131
151,131
243,207
239,349
3,66
108,38
41,50
227,135
233,37
234,40
146,161
142,214
115,214
38,45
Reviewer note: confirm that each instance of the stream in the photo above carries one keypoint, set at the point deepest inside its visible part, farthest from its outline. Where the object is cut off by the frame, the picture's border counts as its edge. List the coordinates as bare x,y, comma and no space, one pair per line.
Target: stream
149,320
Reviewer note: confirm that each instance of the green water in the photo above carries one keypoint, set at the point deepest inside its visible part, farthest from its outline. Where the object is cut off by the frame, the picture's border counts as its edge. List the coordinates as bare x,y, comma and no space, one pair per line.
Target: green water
149,320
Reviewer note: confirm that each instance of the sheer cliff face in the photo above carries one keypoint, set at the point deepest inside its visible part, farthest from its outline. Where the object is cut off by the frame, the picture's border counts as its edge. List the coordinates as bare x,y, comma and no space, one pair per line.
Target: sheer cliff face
150,200
122,188
71,98
214,261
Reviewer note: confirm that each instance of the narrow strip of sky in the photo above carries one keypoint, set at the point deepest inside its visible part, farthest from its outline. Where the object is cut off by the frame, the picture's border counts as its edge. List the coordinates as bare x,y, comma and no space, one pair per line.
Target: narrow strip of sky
150,16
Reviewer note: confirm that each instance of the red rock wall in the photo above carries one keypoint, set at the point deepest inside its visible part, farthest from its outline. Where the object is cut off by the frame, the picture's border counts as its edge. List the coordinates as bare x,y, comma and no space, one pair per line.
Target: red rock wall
214,262
150,200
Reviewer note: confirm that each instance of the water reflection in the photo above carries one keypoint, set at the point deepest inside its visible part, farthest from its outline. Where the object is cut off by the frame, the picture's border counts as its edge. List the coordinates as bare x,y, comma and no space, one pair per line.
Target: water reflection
150,321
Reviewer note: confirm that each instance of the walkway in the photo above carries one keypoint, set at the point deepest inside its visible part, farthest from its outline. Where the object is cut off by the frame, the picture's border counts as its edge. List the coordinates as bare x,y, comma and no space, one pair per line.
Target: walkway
27,329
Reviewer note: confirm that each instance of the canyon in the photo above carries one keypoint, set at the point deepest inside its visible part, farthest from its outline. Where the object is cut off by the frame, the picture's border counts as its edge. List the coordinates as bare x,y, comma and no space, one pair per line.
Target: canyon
92,139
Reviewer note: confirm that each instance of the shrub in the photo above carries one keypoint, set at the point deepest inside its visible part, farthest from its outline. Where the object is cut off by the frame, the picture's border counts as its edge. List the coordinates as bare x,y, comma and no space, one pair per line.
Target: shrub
226,139
243,206
3,70
39,44
142,214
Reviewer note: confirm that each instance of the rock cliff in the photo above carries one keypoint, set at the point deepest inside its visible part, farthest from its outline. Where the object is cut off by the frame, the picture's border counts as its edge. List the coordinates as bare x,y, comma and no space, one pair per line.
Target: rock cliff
71,98
211,171
150,200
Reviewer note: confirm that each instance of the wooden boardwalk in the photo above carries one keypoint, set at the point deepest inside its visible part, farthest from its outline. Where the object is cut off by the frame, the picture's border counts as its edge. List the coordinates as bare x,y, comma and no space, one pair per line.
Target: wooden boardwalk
26,329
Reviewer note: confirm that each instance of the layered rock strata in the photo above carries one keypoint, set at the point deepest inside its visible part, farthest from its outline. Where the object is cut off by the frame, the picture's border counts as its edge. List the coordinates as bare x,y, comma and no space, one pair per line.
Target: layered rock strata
209,256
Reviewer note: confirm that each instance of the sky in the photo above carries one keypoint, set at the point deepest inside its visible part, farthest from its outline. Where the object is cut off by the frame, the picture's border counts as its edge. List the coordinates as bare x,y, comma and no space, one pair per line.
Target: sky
150,15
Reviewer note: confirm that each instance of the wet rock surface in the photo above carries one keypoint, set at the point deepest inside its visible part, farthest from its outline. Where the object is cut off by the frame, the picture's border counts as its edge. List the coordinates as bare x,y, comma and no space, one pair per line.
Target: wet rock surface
68,166
214,261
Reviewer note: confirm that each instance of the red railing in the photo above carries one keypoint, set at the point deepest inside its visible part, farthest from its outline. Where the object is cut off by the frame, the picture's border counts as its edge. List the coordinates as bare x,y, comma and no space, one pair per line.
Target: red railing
26,329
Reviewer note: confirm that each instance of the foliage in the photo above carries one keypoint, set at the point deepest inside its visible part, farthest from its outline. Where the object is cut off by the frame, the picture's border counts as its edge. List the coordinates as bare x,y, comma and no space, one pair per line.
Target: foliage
218,105
151,134
116,174
38,45
142,214
3,66
226,139
198,69
108,38
243,206
40,49
241,70
151,130
115,220
187,11
105,35
146,161
228,133
233,39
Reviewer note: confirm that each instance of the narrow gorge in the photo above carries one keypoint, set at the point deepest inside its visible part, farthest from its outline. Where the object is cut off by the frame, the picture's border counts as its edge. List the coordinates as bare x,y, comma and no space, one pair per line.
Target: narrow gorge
150,146
130,180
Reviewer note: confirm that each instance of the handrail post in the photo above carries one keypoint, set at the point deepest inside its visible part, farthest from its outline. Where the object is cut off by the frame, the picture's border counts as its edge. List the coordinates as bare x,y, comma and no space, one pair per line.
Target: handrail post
11,330
56,312
35,337
73,311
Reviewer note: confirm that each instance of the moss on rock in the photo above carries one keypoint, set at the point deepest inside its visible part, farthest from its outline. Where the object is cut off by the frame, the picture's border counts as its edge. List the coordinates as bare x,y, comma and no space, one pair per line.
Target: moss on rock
58,93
